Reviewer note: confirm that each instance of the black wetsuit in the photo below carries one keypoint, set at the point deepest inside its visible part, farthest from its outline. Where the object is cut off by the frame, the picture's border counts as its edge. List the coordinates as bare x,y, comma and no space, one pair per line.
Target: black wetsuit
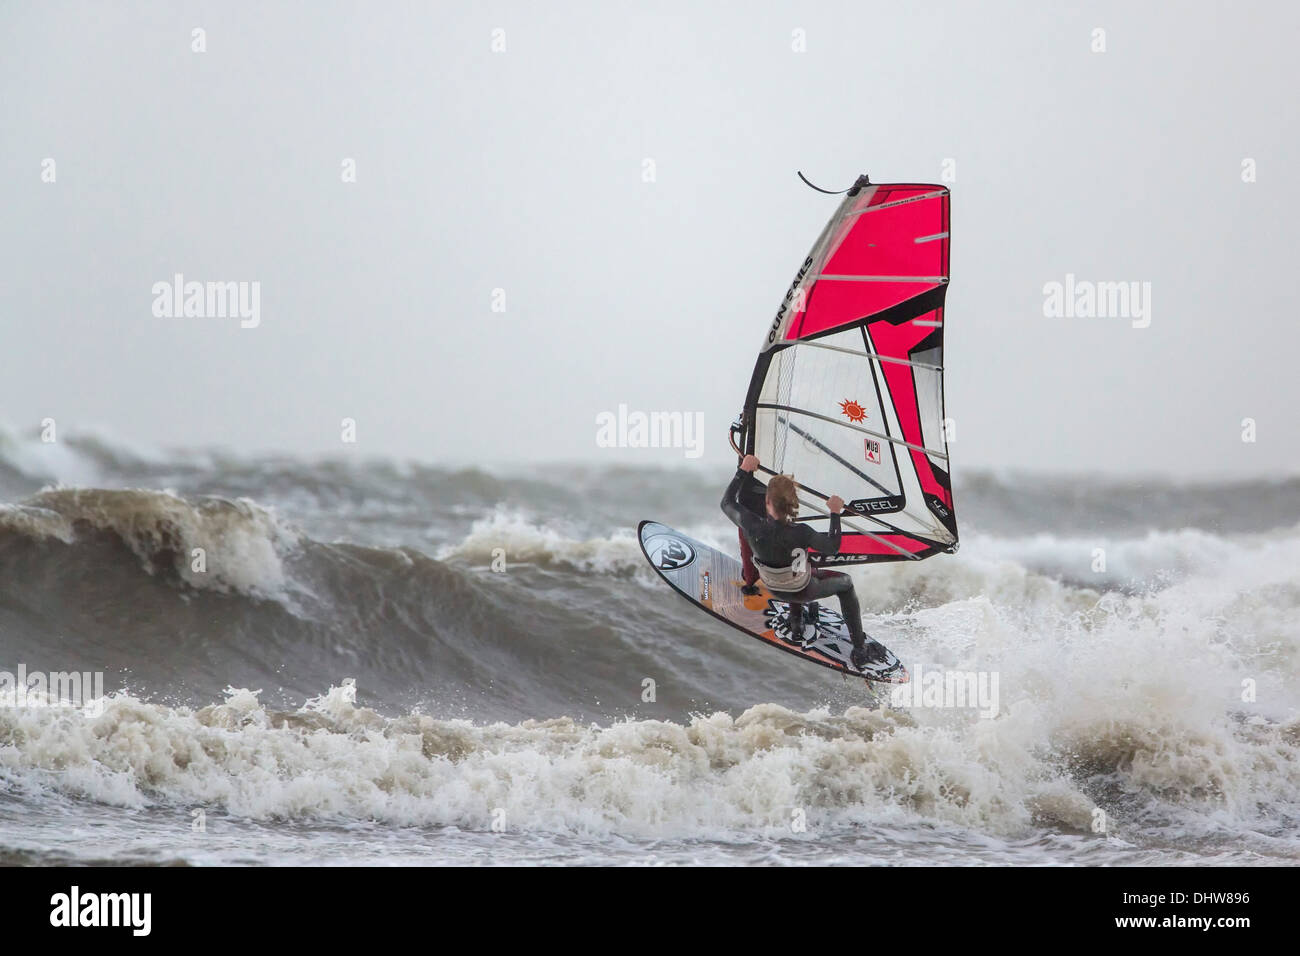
753,494
774,543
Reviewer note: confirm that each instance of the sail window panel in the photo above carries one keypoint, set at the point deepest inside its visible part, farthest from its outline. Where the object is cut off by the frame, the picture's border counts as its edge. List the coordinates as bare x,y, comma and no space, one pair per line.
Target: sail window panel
839,384
826,456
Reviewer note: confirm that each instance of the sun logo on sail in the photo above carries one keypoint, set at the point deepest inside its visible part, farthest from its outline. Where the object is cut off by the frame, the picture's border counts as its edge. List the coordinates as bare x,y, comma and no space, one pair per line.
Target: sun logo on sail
854,411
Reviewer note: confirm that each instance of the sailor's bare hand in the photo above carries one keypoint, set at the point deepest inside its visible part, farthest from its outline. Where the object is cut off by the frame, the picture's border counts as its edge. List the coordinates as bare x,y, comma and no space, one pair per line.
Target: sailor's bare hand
835,503
749,464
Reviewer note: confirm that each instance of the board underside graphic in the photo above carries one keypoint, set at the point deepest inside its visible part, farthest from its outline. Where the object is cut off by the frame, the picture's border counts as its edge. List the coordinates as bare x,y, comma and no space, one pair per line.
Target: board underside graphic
712,580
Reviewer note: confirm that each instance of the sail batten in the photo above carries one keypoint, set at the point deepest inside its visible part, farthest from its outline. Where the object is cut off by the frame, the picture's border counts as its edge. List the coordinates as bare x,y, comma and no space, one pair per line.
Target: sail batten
847,393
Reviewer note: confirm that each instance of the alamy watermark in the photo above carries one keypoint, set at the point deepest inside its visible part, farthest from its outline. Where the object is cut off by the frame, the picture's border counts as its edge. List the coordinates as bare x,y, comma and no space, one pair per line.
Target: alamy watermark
53,690
1085,299
635,429
131,911
949,690
208,300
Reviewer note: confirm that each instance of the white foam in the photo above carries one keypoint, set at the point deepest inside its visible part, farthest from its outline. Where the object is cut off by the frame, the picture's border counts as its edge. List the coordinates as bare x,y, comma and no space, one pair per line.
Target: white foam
526,541
718,776
54,462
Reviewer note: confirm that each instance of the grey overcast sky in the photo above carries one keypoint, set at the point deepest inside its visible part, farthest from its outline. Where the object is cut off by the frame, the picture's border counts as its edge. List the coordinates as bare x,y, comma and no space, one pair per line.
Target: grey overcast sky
522,170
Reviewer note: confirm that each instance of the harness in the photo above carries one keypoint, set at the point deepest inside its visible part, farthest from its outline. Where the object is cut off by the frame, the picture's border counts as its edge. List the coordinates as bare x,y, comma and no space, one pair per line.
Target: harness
786,578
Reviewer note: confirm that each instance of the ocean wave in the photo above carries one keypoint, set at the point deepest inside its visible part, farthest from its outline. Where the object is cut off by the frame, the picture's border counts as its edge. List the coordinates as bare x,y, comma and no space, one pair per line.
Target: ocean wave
209,543
716,776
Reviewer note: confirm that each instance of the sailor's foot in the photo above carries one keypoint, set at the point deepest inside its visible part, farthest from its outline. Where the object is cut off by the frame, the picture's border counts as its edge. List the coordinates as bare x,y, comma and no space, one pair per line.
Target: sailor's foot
866,654
749,590
809,625
795,626
795,631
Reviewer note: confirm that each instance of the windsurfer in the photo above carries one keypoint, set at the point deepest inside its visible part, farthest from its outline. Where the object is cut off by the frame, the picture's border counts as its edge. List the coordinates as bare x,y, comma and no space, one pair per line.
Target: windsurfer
779,553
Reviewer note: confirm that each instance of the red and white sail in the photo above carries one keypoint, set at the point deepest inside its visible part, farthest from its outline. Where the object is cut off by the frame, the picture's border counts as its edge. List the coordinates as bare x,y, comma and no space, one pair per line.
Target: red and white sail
847,394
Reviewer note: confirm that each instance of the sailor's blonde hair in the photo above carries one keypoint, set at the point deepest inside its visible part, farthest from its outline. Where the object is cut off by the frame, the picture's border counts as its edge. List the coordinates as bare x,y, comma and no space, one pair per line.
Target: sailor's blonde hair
783,496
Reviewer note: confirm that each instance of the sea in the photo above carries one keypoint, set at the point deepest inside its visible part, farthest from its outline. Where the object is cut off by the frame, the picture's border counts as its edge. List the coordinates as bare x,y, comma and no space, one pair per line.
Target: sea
357,661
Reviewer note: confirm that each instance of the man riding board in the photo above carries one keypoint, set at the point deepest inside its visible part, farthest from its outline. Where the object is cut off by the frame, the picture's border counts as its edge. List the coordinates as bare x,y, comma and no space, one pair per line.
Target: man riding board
780,546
